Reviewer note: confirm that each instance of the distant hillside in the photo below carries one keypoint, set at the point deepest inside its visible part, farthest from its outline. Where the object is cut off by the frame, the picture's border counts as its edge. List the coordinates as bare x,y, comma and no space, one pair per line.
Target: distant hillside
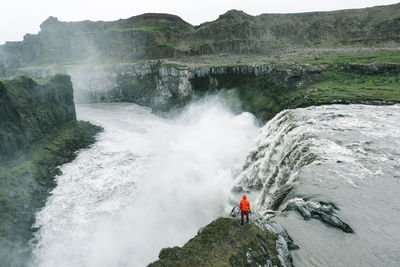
151,36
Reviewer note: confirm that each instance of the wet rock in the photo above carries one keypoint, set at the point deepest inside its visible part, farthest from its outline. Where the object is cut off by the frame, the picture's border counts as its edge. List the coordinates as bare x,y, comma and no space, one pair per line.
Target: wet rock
200,231
235,212
284,242
318,210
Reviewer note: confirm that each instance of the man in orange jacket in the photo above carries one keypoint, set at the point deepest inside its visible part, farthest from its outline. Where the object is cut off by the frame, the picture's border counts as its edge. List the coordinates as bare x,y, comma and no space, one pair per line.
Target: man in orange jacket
245,209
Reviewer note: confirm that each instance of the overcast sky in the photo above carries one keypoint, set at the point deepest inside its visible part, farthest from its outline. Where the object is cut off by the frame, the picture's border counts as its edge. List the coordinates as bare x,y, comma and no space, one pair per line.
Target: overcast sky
18,17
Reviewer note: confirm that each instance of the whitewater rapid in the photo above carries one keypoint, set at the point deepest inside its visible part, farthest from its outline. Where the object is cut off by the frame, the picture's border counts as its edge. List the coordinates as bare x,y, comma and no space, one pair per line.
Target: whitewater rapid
346,156
147,183
151,182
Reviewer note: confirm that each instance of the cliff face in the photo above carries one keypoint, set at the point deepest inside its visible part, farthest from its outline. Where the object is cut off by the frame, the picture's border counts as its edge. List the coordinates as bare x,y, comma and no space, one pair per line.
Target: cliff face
262,88
112,61
38,132
152,36
29,110
163,85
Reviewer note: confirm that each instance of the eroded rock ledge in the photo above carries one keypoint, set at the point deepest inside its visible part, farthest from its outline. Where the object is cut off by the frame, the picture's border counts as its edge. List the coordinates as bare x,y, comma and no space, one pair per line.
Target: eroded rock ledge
262,88
224,242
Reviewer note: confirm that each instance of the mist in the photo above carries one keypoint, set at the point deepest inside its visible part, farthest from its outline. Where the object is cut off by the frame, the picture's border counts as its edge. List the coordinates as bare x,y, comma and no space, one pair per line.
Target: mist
148,183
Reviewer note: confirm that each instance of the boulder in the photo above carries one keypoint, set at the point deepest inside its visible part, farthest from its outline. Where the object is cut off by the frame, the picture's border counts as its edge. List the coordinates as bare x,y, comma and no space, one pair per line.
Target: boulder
318,210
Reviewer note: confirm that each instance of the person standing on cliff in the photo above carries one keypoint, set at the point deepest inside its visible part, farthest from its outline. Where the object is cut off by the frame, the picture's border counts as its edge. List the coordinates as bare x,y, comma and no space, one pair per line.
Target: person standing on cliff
245,209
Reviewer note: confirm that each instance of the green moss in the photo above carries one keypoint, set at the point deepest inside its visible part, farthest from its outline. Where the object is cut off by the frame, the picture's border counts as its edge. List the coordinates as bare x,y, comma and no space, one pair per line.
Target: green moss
380,24
26,179
118,42
390,57
280,45
270,61
340,86
172,45
223,243
146,28
178,66
59,146
266,95
257,94
198,44
39,132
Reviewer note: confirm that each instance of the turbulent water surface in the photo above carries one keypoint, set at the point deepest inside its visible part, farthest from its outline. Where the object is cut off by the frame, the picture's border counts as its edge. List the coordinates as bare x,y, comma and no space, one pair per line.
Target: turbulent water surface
345,155
147,183
151,182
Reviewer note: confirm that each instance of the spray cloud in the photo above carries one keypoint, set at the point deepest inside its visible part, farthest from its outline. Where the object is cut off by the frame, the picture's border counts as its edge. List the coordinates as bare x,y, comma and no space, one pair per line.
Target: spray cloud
148,183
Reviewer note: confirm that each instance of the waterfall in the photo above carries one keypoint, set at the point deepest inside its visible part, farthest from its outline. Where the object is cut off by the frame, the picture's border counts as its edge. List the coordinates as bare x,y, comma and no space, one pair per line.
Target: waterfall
282,149
147,183
329,176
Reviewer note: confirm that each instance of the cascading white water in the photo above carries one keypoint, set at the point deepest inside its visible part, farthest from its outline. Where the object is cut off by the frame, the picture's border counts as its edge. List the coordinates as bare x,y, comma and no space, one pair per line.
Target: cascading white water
282,149
150,182
342,154
147,183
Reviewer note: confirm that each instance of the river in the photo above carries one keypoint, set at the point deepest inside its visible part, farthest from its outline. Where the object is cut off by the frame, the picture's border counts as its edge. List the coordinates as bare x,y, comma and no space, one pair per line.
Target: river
147,183
151,182
347,155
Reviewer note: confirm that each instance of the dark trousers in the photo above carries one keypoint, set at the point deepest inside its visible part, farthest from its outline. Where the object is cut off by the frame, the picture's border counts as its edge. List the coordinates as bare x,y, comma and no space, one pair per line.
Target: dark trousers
244,213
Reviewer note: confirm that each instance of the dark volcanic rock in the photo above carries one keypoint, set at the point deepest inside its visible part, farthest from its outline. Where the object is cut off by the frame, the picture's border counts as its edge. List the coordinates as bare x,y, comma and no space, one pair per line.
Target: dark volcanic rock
321,211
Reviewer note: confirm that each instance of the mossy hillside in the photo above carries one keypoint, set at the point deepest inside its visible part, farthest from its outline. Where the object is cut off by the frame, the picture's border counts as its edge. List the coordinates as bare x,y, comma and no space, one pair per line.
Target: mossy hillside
142,37
172,45
266,99
223,243
27,178
145,28
29,108
38,132
355,58
344,87
234,32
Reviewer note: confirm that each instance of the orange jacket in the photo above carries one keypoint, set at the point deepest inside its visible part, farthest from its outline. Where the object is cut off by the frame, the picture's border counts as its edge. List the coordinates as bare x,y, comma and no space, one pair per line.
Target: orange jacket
244,204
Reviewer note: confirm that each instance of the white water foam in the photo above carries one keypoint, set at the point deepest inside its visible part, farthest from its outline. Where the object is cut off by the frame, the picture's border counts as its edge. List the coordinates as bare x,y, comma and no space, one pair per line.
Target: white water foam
147,183
341,154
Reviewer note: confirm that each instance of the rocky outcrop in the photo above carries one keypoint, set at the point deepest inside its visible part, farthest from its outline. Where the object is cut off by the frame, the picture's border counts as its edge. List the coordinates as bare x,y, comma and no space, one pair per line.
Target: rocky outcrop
163,85
225,243
38,132
318,210
149,83
29,110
